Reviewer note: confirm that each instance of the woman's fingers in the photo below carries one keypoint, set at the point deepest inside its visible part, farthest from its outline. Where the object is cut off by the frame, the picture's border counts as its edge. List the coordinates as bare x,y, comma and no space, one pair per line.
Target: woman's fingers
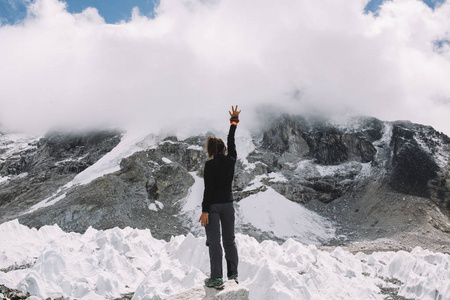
234,111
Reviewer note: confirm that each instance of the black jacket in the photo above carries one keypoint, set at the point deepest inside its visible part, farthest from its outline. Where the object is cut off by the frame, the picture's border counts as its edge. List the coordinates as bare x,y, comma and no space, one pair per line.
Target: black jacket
218,175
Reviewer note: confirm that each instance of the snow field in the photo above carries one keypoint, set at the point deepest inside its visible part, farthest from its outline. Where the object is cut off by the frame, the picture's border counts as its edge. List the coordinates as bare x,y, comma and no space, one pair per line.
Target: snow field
106,264
267,211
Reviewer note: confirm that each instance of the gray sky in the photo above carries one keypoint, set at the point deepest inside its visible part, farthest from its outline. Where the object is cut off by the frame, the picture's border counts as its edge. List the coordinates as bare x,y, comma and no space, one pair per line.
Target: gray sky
189,64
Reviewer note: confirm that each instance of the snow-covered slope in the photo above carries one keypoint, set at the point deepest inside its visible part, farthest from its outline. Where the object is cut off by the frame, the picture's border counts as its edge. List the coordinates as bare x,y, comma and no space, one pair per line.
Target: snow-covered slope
105,264
267,211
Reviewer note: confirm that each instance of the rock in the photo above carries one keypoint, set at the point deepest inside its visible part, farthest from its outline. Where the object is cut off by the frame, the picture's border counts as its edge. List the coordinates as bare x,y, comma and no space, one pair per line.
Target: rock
412,166
371,128
144,194
63,153
231,291
12,294
321,141
39,171
191,294
359,149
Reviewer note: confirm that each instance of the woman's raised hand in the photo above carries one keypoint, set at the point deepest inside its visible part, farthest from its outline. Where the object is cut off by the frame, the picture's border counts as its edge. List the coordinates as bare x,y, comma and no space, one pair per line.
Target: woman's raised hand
234,112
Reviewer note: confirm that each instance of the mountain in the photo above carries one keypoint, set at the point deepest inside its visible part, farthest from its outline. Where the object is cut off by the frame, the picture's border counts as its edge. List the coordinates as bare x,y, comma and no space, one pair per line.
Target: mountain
311,179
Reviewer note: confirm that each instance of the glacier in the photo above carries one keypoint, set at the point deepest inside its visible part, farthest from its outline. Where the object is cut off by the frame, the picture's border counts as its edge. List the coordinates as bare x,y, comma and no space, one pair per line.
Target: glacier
105,264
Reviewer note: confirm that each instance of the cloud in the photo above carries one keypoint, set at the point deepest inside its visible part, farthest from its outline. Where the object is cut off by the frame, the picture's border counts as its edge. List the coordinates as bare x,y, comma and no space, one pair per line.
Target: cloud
186,66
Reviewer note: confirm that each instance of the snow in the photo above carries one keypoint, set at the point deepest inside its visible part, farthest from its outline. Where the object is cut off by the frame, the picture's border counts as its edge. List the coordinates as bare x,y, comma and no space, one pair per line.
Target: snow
366,171
267,211
4,179
166,160
48,201
276,177
130,143
106,264
11,146
382,145
307,169
244,145
257,182
156,206
196,147
194,199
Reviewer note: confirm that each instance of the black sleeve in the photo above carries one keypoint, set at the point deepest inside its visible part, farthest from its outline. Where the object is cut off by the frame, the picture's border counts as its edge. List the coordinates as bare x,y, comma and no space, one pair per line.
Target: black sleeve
230,142
209,181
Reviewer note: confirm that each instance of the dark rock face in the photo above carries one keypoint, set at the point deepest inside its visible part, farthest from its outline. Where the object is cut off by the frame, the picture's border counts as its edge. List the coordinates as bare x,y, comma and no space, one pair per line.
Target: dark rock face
325,143
12,293
414,167
51,163
63,153
371,128
293,139
409,157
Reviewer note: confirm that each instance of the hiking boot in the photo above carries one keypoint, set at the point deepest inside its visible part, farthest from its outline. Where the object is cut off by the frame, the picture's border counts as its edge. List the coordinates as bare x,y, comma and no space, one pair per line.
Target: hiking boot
233,277
214,283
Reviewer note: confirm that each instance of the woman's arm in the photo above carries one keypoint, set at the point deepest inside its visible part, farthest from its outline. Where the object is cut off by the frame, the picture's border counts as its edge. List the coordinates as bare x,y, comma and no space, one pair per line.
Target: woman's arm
234,120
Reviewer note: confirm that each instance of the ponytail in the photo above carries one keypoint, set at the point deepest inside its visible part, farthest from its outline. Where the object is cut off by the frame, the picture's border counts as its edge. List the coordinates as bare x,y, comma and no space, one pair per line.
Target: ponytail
214,146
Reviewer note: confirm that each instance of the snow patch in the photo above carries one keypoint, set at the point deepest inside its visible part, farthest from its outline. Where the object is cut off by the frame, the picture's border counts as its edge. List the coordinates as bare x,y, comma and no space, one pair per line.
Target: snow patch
307,169
271,212
244,145
195,147
156,206
48,202
258,181
382,145
130,143
192,205
4,179
166,160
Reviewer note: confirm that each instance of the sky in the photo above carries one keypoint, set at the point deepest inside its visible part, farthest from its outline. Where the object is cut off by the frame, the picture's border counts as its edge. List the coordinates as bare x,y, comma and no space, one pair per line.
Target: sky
183,63
113,11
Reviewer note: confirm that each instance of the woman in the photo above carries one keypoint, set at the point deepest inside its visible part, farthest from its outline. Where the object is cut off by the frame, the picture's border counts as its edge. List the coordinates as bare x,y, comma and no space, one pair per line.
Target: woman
217,205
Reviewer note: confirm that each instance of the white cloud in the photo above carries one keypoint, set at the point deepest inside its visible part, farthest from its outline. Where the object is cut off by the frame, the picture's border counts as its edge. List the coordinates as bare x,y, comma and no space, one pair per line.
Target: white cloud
195,59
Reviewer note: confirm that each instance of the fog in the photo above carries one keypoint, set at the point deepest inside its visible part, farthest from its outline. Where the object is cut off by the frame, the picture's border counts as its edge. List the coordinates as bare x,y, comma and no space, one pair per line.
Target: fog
185,67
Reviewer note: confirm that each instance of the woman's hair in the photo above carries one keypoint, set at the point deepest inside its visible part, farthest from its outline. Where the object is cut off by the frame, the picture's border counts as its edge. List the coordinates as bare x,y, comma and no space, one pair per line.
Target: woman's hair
214,146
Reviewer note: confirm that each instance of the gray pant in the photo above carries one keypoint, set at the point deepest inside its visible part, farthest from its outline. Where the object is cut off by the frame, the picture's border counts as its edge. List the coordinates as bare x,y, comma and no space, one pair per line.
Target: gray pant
221,214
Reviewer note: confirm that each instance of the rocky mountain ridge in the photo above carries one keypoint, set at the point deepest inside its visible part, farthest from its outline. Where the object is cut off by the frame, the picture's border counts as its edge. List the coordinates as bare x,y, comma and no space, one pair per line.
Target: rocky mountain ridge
374,179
